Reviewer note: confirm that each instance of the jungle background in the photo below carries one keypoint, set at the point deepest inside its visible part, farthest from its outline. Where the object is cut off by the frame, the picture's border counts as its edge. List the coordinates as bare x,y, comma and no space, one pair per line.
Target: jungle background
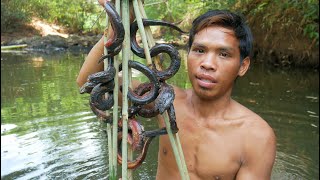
286,32
49,132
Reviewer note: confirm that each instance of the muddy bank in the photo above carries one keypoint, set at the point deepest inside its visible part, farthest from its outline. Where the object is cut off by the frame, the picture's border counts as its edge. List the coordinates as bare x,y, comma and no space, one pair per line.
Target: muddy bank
285,49
55,43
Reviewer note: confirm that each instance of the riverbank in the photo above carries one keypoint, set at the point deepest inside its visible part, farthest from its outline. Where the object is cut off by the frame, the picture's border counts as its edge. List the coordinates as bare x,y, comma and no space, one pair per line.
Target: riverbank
278,51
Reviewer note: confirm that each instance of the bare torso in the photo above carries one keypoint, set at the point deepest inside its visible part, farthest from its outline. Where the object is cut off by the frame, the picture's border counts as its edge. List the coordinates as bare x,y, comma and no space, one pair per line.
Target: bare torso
214,148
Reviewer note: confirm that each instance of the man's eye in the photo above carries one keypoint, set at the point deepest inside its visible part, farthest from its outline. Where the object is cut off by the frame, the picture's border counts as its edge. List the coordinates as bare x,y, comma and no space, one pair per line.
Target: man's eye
224,54
199,51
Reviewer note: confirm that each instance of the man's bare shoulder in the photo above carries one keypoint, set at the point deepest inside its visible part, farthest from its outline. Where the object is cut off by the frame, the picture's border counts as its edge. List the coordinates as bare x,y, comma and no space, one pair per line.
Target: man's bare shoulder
180,93
254,124
257,131
259,146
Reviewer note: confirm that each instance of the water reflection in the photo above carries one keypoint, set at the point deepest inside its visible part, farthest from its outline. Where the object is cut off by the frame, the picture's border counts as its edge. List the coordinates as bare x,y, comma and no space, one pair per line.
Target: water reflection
49,132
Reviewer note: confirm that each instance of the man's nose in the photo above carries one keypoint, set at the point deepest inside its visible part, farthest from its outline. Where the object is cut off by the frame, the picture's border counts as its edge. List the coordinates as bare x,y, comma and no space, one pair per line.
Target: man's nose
209,63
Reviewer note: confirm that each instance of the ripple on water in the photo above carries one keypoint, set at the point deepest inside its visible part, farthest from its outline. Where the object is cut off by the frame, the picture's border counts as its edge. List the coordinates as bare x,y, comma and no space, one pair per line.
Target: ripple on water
7,127
75,146
297,144
289,166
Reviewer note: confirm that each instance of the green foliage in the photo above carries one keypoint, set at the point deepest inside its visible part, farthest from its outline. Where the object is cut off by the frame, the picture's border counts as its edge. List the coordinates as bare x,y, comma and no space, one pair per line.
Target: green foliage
303,16
182,11
74,16
83,16
12,14
77,16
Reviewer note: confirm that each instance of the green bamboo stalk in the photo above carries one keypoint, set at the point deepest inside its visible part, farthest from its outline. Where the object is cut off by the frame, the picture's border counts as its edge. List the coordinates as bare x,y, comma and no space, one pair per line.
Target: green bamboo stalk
174,140
125,75
183,161
147,29
181,164
109,138
111,170
150,39
115,112
142,31
14,46
115,122
130,150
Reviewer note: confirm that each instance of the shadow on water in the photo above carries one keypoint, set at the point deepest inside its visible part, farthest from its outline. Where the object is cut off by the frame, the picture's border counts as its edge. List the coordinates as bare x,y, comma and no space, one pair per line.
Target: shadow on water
48,130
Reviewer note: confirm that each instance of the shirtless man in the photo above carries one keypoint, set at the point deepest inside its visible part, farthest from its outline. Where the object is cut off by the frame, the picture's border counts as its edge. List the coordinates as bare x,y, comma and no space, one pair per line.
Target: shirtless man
220,138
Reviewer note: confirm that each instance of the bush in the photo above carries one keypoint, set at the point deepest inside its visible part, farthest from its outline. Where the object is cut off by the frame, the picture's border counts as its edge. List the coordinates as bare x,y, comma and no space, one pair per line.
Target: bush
13,15
77,16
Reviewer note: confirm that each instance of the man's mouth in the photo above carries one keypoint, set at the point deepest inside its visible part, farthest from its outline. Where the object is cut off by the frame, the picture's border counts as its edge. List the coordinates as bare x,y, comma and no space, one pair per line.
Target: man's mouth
206,81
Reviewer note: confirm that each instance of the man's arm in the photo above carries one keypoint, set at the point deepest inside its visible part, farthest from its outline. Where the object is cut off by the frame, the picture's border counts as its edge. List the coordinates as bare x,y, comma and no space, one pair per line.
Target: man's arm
90,64
260,152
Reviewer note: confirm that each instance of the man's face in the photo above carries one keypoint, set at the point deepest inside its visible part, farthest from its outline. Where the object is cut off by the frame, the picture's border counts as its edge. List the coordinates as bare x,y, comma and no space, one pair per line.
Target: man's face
214,62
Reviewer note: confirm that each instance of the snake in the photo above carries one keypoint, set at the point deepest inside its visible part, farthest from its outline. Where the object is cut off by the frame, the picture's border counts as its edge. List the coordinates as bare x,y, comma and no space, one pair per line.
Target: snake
165,98
97,96
101,115
87,87
137,140
104,76
162,102
157,49
154,91
114,44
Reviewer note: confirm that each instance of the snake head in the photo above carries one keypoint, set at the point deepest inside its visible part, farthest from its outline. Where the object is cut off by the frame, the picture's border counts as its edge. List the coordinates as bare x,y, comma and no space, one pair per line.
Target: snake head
87,87
102,76
165,98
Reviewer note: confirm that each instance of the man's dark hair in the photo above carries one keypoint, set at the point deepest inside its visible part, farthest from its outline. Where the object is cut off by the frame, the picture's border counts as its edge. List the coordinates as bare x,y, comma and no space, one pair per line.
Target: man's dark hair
229,20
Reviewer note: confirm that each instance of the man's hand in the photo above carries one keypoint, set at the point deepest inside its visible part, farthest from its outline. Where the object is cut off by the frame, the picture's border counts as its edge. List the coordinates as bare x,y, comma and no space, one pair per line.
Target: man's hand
102,2
132,16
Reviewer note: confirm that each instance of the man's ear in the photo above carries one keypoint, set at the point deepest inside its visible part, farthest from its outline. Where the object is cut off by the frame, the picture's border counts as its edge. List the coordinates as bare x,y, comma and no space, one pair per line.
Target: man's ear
244,66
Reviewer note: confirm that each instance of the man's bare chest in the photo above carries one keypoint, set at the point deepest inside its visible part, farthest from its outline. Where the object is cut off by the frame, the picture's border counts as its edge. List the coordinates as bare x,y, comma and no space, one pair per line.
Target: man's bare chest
210,155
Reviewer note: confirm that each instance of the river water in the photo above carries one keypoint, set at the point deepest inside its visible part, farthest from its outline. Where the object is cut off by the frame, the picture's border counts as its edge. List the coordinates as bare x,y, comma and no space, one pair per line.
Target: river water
49,132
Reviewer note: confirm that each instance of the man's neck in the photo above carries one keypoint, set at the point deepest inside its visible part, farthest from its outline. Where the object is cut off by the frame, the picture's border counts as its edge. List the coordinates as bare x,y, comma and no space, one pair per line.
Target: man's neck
213,108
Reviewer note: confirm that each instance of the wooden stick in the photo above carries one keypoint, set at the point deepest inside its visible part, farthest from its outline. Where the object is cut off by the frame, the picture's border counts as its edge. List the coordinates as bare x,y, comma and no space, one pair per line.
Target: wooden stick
142,31
109,135
115,111
14,46
150,39
111,169
175,147
174,140
125,75
183,161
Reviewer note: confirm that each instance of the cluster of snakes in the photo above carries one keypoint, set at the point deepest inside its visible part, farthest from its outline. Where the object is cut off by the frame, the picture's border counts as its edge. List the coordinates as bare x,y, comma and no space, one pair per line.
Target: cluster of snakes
148,99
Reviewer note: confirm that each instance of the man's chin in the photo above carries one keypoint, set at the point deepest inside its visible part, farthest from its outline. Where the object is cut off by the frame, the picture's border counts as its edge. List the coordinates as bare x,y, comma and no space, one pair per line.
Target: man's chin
205,94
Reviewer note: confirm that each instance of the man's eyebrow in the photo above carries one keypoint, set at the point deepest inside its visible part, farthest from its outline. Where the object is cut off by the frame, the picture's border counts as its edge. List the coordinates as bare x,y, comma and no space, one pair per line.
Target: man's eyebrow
222,48
198,45
226,49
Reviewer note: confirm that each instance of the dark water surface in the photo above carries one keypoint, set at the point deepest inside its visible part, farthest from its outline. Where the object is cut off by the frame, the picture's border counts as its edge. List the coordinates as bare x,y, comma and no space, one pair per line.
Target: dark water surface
49,132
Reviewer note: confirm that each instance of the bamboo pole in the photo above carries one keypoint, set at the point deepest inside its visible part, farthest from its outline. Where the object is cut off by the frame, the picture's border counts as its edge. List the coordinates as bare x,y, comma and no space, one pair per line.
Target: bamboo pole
174,140
115,111
109,135
14,46
111,169
178,154
142,31
147,29
125,76
150,39
183,161
130,150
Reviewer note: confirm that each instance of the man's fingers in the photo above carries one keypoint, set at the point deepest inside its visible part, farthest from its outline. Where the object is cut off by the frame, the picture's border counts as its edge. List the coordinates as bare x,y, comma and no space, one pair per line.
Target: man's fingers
102,2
